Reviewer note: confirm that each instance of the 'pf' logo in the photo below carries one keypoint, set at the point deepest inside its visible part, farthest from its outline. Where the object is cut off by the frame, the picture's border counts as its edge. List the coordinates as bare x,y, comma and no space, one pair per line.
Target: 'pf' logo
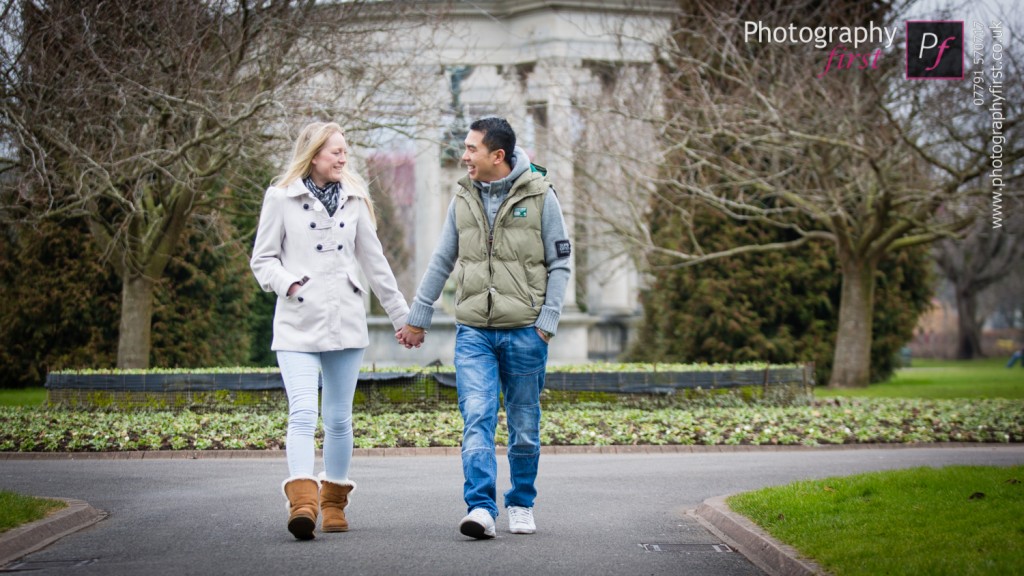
935,50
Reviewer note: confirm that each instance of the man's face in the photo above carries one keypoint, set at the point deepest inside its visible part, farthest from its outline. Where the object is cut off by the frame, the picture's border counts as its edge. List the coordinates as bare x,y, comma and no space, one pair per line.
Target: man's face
482,164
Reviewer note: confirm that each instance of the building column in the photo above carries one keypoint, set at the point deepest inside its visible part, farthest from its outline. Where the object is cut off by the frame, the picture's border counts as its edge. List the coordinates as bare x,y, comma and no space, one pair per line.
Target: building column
551,88
429,204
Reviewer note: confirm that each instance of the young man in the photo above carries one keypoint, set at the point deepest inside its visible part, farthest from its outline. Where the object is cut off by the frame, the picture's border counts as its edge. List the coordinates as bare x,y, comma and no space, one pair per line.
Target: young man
506,231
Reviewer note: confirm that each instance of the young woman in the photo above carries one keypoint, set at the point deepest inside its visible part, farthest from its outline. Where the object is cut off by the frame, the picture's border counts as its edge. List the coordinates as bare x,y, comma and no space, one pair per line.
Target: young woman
317,230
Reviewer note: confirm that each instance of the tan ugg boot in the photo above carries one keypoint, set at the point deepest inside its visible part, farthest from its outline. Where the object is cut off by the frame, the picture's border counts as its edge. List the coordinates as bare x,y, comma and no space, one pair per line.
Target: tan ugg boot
333,499
303,494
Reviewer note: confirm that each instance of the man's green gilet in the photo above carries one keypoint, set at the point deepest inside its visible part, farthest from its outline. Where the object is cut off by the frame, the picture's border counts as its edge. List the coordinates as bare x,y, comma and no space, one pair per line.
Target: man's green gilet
504,286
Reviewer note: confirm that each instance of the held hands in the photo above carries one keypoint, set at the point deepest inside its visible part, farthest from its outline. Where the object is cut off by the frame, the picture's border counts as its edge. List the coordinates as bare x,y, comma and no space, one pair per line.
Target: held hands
410,336
413,336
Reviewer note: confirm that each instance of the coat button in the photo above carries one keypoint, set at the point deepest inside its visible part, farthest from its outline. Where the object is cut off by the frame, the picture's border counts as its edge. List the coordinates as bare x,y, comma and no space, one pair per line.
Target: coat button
299,299
319,246
342,225
356,290
305,206
340,246
312,224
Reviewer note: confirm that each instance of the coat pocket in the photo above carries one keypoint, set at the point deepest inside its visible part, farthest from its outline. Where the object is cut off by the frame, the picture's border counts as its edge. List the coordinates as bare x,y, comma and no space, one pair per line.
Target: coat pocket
298,312
300,294
354,283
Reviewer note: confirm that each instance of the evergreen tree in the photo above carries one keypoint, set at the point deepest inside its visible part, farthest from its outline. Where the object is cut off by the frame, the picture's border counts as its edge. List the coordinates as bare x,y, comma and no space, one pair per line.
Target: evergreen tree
774,306
202,303
59,303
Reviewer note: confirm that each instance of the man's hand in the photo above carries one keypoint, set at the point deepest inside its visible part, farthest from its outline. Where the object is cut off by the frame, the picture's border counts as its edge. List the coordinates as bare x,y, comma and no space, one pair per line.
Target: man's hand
543,335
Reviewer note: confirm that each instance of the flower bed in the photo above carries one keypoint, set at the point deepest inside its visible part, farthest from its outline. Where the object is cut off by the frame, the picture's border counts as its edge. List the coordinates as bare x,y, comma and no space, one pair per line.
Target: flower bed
822,423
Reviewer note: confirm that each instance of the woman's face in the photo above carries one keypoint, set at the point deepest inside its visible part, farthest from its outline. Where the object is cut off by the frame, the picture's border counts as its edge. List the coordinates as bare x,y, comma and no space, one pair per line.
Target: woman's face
328,162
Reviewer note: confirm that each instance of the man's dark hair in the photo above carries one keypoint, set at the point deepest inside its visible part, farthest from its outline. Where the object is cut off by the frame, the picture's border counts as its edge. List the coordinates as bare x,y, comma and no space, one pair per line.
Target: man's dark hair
498,134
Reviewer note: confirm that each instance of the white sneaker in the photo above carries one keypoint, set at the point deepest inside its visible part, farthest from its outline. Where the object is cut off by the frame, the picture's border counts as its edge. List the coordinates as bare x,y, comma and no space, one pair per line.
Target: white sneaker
520,520
477,524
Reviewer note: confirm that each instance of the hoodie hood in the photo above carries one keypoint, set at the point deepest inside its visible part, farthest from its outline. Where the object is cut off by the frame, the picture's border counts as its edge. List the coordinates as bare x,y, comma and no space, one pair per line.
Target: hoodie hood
520,165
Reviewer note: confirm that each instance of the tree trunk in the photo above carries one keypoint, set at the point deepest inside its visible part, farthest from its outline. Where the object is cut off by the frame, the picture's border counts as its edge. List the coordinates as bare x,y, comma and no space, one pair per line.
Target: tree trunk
136,322
851,361
969,331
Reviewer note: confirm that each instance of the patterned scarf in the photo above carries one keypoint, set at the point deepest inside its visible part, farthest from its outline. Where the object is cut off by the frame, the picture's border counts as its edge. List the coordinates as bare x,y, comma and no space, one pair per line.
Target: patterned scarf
328,195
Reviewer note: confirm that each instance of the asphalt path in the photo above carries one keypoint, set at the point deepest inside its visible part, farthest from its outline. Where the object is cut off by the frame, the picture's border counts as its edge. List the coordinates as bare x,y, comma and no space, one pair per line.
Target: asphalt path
597,514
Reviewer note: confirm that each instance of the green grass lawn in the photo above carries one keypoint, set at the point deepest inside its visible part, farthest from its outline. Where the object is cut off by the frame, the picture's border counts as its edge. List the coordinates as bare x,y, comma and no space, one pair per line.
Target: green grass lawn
958,520
938,379
16,509
23,396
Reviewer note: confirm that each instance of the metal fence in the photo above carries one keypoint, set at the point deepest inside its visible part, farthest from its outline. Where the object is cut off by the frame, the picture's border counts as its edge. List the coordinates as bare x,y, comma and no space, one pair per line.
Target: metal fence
411,389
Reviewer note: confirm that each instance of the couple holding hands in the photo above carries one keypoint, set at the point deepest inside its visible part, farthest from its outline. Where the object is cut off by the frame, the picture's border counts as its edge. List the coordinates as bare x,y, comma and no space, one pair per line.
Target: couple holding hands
505,231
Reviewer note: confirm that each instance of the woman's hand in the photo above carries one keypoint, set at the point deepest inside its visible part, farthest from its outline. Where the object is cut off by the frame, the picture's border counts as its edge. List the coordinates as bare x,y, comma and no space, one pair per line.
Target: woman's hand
296,285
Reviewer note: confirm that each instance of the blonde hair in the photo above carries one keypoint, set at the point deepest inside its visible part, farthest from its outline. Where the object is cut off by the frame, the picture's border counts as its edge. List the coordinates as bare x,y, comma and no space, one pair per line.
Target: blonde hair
309,143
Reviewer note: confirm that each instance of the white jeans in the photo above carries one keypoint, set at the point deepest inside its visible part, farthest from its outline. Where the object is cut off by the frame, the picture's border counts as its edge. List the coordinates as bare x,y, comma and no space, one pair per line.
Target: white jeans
301,373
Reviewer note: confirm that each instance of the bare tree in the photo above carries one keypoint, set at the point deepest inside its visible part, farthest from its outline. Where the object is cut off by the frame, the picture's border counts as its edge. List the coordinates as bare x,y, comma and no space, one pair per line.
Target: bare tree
973,264
140,115
1004,302
858,157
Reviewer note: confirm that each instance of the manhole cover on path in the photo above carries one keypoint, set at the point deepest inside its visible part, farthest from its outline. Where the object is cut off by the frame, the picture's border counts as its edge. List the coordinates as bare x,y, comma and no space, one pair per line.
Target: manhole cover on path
30,566
687,548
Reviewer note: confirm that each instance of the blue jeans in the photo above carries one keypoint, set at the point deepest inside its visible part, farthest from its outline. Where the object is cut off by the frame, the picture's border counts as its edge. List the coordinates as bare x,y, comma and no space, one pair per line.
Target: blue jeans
301,373
512,362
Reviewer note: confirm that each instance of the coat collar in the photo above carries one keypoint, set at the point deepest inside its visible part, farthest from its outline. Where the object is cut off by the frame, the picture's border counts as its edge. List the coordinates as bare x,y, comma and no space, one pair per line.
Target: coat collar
297,188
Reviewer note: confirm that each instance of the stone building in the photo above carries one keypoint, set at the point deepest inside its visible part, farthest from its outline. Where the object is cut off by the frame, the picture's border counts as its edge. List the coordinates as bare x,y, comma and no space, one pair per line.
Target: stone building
579,83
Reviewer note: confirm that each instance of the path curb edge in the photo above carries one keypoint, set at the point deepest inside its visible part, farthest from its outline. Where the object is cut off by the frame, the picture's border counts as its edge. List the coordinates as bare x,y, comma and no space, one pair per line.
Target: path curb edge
24,540
767,553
